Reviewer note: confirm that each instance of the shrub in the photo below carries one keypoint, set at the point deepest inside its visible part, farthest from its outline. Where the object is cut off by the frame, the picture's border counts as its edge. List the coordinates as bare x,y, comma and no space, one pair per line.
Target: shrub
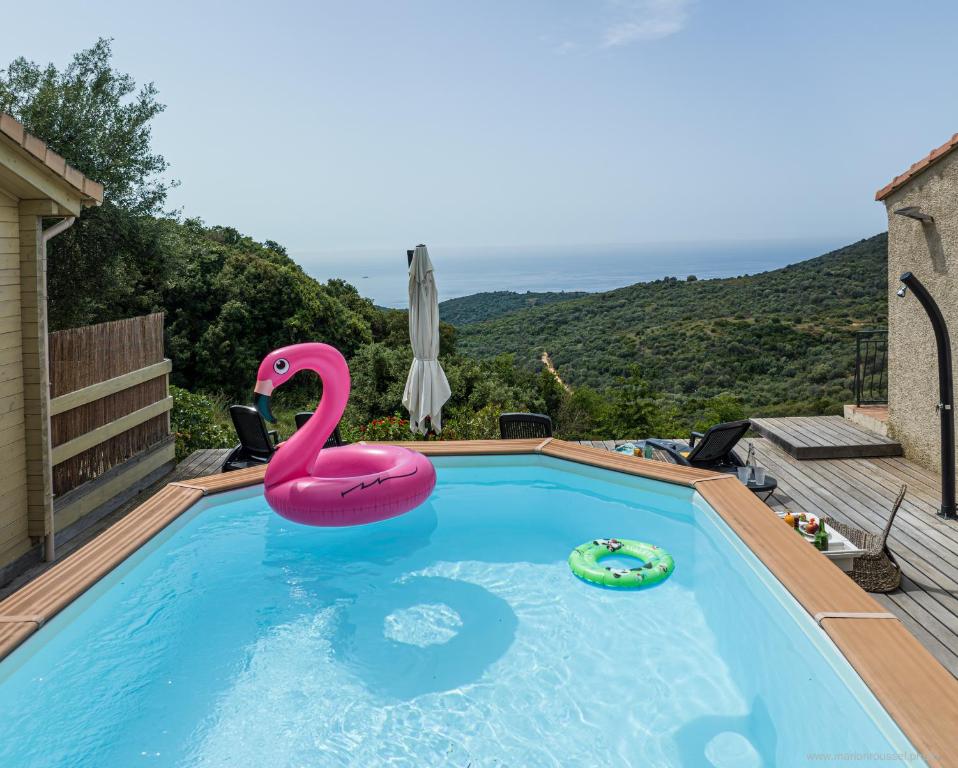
386,428
479,425
197,423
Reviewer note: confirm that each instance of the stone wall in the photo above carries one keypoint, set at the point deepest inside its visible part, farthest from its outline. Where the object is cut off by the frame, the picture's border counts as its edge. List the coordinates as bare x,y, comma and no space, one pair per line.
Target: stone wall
930,251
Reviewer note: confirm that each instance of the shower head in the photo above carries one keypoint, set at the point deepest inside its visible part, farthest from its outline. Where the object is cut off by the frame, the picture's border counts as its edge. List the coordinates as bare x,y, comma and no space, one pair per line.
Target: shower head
907,281
914,212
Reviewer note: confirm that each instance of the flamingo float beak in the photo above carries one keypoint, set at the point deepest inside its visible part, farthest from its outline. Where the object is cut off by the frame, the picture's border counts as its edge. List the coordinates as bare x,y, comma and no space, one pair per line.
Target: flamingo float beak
261,399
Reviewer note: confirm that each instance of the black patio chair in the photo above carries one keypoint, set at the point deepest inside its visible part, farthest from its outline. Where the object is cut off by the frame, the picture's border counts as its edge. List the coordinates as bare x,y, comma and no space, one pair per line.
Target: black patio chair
257,444
516,426
333,441
714,449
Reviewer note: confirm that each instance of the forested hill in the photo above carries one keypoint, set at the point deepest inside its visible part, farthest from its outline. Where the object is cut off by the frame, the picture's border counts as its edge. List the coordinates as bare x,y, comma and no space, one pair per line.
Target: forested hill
781,341
486,306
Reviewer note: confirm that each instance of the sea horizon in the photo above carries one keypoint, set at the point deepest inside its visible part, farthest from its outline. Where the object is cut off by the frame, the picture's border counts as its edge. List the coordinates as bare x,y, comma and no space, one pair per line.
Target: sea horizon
381,274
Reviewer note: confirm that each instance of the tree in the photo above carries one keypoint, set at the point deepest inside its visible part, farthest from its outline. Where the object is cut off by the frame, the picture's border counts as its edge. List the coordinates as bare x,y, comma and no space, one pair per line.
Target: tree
581,415
634,410
97,118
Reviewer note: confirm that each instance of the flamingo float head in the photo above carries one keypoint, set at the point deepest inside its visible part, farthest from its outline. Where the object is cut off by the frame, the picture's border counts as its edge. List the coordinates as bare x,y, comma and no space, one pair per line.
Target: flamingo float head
275,370
280,365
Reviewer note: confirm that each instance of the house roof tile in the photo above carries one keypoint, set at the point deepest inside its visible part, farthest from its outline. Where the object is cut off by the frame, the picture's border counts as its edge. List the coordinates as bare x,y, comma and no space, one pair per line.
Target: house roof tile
932,157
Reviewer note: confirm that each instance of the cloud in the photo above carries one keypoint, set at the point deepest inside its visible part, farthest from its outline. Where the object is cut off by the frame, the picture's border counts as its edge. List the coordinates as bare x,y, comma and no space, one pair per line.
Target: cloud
568,46
647,20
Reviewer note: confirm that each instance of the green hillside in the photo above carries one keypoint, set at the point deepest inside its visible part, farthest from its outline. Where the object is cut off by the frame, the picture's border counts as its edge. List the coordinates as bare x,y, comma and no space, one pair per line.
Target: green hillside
782,341
486,306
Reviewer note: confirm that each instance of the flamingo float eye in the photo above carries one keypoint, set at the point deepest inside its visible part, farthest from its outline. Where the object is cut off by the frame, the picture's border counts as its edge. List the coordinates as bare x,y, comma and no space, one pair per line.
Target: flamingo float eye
281,366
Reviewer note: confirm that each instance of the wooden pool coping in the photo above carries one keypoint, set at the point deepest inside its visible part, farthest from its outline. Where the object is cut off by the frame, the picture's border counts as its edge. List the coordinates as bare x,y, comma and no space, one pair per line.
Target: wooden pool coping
919,693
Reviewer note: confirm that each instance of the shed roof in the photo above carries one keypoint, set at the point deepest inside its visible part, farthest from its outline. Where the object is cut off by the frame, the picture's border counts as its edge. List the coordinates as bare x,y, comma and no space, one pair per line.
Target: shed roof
932,157
49,162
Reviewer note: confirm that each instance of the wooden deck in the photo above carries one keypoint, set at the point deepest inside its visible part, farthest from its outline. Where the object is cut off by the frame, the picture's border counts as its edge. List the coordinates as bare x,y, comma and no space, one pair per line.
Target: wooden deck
610,445
825,437
199,464
860,492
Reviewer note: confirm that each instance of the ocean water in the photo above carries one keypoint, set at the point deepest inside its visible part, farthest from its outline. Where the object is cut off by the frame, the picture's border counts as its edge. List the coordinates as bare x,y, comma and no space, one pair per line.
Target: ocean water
453,635
381,275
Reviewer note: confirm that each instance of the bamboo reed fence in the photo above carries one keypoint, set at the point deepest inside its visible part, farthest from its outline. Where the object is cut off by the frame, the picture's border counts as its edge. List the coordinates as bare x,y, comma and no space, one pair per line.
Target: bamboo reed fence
81,357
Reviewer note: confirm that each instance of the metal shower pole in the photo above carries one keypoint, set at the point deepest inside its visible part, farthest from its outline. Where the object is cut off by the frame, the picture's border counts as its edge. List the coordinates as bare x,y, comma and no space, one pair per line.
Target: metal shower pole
946,398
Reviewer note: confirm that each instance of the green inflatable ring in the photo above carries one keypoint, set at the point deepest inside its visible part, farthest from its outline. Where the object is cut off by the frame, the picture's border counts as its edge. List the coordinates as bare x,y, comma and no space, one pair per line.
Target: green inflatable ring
657,564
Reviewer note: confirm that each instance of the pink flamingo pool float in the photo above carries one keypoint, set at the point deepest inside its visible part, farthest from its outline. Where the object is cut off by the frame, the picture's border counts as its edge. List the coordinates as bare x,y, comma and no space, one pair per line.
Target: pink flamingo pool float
347,485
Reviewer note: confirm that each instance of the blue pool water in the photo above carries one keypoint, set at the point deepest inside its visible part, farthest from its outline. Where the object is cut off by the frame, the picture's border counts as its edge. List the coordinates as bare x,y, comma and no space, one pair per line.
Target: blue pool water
454,635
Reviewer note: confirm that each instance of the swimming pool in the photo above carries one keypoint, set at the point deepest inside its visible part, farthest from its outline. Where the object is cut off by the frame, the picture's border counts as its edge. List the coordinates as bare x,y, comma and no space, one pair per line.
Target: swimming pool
453,635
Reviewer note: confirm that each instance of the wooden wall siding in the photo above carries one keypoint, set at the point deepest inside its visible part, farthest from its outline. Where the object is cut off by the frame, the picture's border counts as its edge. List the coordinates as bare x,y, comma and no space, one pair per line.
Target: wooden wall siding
14,539
84,357
36,383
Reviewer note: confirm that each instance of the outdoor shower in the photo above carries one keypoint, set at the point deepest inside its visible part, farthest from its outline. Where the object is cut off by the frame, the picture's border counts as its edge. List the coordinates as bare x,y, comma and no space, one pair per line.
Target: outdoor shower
945,389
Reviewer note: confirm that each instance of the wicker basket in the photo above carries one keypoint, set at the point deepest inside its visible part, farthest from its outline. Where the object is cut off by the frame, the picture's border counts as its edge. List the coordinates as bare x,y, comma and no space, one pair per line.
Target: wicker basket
876,570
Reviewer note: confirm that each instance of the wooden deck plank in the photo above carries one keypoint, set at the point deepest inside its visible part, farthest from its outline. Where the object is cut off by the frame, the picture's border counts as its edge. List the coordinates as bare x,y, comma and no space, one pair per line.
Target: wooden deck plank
871,646
924,623
840,428
633,465
848,501
212,462
860,492
225,481
853,501
58,586
897,668
856,494
824,437
822,431
801,426
184,467
786,555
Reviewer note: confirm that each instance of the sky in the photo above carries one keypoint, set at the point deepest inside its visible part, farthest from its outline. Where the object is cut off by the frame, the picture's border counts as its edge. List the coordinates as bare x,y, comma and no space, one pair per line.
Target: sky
333,126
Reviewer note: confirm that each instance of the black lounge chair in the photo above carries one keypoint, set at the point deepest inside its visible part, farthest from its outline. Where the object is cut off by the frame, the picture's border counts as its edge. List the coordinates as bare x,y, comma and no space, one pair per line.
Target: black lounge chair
257,444
516,426
713,449
333,441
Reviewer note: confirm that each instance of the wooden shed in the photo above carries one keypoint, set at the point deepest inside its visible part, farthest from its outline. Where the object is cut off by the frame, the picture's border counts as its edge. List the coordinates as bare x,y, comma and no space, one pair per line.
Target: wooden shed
40,196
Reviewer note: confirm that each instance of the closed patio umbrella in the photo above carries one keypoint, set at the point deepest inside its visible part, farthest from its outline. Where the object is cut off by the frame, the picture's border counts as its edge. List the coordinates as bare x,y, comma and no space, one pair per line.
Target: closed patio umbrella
426,386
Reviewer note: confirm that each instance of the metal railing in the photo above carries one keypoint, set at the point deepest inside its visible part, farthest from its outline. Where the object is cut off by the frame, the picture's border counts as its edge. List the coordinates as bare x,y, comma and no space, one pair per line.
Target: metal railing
871,367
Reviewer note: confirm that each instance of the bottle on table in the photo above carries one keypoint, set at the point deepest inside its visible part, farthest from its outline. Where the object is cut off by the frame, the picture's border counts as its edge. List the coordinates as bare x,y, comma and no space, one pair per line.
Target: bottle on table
821,537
